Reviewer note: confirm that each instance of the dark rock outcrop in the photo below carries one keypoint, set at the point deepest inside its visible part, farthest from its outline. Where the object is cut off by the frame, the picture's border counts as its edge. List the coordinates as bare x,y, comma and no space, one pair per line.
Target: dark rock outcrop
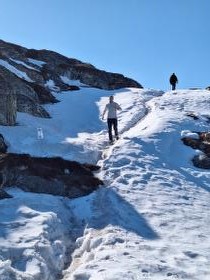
93,77
202,144
54,176
4,194
3,145
17,95
201,161
8,102
58,65
43,93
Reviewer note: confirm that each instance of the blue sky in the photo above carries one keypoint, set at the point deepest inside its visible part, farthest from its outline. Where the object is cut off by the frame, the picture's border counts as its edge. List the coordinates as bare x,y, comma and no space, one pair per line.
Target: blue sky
146,40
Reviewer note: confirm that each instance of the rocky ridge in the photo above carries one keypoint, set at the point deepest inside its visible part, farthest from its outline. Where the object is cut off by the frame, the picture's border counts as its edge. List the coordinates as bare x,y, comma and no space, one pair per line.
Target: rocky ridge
29,78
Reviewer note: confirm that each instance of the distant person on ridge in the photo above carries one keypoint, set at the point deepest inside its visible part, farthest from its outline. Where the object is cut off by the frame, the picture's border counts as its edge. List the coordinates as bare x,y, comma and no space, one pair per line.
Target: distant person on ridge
173,81
112,108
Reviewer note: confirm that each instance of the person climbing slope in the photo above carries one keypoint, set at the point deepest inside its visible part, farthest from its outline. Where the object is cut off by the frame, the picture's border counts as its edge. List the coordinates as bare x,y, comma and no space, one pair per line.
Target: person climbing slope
112,122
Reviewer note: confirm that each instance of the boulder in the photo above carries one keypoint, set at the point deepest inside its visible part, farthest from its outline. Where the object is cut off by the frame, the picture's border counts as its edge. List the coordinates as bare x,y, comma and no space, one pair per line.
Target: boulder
54,176
201,161
193,143
205,136
202,144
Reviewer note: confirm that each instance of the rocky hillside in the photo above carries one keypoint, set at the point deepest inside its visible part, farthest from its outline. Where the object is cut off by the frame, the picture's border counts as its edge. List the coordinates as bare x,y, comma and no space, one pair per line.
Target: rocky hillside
28,78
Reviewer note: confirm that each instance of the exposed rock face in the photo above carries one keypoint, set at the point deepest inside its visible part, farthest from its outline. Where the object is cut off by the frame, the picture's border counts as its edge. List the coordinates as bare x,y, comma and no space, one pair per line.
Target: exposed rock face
8,109
8,104
3,145
58,65
17,95
54,65
43,93
89,75
202,144
48,175
201,161
4,194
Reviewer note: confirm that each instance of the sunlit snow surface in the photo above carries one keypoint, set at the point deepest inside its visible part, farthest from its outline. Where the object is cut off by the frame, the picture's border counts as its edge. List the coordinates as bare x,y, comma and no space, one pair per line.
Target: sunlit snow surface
152,218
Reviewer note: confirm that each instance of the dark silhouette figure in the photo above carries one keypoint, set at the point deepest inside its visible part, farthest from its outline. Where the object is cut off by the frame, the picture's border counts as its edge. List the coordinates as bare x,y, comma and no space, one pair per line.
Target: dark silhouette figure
173,81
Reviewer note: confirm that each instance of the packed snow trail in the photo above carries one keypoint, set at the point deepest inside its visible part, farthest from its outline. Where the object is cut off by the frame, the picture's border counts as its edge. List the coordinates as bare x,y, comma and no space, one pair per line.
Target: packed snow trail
133,111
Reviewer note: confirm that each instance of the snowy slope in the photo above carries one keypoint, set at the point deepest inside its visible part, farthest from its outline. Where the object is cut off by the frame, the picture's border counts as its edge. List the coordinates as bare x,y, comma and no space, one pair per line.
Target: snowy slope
150,221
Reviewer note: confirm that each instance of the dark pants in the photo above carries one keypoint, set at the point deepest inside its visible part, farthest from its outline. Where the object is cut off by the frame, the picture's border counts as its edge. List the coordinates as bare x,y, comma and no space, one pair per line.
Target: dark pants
112,123
173,86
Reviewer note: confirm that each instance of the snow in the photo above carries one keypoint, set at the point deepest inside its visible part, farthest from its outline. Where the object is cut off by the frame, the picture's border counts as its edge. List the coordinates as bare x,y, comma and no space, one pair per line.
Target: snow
36,62
70,82
188,133
150,221
51,85
33,237
24,64
15,71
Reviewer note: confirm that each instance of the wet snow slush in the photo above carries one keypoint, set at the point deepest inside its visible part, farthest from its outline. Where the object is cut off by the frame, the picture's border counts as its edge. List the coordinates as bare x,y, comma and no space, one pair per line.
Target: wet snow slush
150,220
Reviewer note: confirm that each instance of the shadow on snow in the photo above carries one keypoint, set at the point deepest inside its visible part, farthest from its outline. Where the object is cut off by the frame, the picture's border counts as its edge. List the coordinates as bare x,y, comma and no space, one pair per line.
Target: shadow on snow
109,208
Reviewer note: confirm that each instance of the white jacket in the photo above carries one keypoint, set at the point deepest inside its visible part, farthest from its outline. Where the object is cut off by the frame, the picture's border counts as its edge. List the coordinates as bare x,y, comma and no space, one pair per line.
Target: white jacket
112,108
